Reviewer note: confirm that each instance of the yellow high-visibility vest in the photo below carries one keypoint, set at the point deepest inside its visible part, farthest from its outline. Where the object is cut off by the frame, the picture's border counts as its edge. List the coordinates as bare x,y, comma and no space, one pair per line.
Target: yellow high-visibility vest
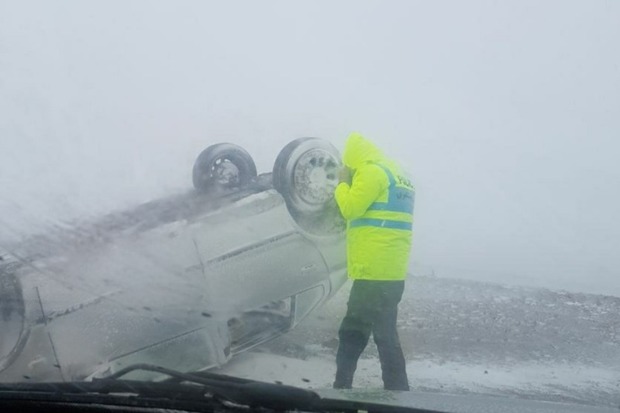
378,207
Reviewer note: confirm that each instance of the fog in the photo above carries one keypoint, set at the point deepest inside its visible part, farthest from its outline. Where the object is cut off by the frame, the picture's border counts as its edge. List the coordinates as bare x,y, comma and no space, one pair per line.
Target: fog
505,113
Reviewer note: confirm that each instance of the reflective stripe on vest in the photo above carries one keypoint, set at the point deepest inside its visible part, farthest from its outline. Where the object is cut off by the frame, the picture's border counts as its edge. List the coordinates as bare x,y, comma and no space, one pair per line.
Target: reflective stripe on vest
399,199
381,223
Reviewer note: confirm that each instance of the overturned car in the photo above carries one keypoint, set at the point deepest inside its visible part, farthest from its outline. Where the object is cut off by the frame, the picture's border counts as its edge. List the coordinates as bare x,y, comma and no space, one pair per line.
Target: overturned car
184,282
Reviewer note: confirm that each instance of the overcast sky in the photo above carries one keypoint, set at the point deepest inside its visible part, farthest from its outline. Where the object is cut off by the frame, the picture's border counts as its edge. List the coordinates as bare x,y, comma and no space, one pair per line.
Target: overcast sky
507,114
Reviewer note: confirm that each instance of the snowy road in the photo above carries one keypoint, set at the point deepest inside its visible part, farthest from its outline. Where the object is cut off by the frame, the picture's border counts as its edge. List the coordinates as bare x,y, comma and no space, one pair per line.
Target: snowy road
465,336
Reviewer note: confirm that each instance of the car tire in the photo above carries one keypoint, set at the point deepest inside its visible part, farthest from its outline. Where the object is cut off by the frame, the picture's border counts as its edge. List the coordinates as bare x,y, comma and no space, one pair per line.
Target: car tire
223,166
305,173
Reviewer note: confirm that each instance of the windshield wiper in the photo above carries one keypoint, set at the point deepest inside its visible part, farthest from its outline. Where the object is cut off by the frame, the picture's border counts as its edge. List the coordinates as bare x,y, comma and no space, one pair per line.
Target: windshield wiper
234,389
196,391
202,388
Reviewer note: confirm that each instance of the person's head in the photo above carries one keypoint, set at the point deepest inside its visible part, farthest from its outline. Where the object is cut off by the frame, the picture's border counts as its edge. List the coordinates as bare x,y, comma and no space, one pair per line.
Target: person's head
359,150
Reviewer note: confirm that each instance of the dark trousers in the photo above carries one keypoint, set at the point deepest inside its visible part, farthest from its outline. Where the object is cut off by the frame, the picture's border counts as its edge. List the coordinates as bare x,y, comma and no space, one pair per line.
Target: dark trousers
372,308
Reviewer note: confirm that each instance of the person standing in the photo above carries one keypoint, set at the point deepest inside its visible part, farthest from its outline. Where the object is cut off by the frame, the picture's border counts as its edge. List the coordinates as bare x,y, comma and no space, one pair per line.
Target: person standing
377,201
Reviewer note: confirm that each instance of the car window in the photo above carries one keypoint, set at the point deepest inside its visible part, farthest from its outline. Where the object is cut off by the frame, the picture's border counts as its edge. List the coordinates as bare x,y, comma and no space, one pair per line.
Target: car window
240,187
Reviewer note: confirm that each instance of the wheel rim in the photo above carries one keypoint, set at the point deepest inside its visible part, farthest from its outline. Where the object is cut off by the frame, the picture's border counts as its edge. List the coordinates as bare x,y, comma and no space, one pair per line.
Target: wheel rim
316,177
225,172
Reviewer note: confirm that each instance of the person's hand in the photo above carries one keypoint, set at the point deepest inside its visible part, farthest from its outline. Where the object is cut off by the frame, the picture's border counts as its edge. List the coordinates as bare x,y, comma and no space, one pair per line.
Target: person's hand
344,175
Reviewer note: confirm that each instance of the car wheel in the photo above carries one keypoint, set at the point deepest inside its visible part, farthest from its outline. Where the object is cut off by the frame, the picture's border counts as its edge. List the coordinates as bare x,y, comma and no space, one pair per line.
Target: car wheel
222,166
306,173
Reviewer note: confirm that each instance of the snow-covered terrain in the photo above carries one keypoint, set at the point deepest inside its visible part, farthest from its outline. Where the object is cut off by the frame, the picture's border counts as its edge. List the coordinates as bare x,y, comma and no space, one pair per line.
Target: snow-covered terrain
464,336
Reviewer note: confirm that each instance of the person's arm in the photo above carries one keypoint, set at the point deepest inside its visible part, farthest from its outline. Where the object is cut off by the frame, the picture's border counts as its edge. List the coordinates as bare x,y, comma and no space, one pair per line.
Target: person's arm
353,200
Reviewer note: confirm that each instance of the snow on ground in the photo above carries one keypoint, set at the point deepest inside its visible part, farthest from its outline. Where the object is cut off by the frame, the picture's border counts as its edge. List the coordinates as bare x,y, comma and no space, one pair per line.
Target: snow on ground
549,381
464,336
